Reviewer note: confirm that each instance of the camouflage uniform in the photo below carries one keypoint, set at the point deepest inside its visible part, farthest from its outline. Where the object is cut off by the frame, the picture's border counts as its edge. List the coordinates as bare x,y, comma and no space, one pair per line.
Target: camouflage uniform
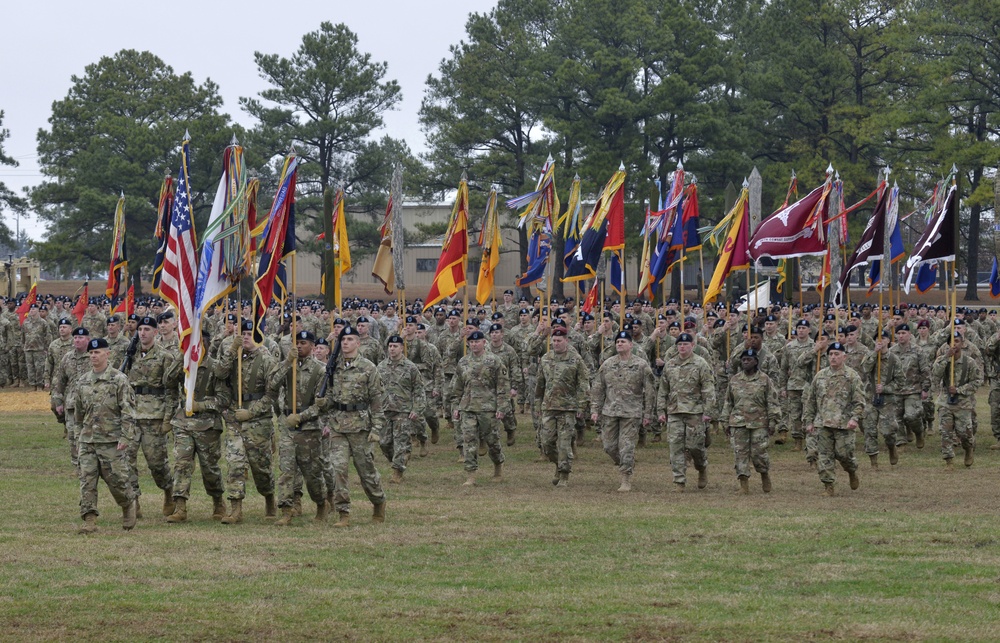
15,343
300,448
793,379
248,443
36,340
353,412
517,338
117,346
428,361
686,394
955,420
200,434
152,378
561,389
993,355
5,377
372,350
512,364
449,345
835,397
623,395
53,356
479,390
752,411
105,413
912,379
65,382
880,419
403,394
97,324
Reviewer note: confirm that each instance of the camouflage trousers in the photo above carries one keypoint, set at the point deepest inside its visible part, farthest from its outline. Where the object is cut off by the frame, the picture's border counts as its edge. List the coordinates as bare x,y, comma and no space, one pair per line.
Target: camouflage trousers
509,419
619,436
558,438
793,414
909,417
5,378
994,408
396,438
835,444
526,395
346,447
956,429
34,362
929,414
750,445
105,461
248,445
686,434
72,432
153,442
882,420
300,452
480,426
207,446
18,366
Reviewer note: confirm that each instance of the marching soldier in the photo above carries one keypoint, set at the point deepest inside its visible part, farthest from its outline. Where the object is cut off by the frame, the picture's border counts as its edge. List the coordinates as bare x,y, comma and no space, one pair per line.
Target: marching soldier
561,388
73,366
512,364
751,412
957,399
58,348
479,392
402,403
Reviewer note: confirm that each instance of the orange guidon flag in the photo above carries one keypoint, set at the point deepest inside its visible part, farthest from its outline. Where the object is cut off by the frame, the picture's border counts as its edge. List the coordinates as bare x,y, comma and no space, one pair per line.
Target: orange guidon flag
450,273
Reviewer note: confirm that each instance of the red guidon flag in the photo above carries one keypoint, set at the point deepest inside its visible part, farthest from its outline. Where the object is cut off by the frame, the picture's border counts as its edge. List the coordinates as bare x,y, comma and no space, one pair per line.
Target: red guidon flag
794,231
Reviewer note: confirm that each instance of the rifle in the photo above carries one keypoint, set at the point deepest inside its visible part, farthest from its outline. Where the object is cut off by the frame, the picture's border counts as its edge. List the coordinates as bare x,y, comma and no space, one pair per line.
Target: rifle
133,346
331,366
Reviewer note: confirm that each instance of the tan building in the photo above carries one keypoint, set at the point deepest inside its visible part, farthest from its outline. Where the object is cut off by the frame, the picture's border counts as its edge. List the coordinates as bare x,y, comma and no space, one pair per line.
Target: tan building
17,275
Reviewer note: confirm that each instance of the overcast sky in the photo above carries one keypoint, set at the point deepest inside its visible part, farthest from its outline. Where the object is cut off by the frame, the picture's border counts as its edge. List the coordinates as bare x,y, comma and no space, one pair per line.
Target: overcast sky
45,43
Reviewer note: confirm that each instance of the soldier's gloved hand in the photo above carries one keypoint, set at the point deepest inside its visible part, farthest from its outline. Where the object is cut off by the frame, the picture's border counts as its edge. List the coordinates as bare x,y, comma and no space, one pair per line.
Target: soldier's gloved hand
373,436
197,407
292,421
293,354
242,415
235,346
165,425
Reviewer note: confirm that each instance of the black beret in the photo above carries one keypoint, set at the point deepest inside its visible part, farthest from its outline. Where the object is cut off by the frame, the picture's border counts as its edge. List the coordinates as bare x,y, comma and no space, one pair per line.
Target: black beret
685,337
395,339
305,335
147,321
96,344
80,331
476,335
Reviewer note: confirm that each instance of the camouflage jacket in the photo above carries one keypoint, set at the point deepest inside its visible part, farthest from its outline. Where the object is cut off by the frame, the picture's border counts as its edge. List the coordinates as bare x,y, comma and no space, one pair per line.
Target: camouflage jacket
152,377
372,350
36,334
562,382
623,388
57,350
751,402
210,391
792,375
968,379
117,346
835,397
309,374
66,380
511,362
767,363
913,374
96,324
449,344
353,402
105,408
479,383
686,386
403,386
428,360
256,366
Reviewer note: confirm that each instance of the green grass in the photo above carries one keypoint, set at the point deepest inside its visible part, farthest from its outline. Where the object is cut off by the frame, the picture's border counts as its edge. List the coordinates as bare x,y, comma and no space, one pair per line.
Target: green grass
913,555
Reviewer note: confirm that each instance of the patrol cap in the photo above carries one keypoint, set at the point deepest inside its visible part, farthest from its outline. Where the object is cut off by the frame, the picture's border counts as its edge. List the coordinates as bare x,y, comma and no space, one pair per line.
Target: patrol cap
348,330
836,346
147,321
905,327
623,335
65,322
476,335
305,335
96,344
246,325
685,337
80,331
750,353
395,339
114,319
558,331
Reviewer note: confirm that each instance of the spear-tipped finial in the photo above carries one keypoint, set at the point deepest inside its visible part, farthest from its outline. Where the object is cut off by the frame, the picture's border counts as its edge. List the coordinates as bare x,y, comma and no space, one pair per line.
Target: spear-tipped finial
187,135
694,180
746,182
549,159
836,175
793,173
234,141
291,149
123,194
621,166
576,177
954,169
888,170
680,165
465,177
829,168
168,175
895,184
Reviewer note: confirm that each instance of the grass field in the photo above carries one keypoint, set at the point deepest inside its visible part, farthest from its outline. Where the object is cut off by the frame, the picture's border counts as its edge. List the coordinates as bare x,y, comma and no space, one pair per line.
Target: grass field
913,555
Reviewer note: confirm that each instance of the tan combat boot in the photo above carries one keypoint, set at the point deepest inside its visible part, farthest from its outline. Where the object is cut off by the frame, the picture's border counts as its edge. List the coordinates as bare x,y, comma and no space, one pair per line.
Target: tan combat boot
703,477
138,508
270,510
855,480
435,435
321,510
128,516
286,517
874,459
642,441
168,501
423,448
482,448
397,477
89,525
297,506
470,480
765,482
235,516
798,445
378,512
893,455
782,437
920,440
744,486
218,508
510,438
626,484
948,466
343,520
828,489
563,480
497,472
968,456
180,511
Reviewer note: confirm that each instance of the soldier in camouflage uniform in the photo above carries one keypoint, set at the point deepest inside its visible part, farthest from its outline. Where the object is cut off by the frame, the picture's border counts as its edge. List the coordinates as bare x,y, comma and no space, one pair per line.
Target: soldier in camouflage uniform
686,402
353,412
151,376
300,436
371,348
57,349
833,407
957,399
402,403
35,332
15,348
428,360
751,412
517,337
73,366
250,425
94,321
449,342
793,380
512,364
992,356
199,435
561,389
622,396
105,413
911,387
479,393
117,342
878,372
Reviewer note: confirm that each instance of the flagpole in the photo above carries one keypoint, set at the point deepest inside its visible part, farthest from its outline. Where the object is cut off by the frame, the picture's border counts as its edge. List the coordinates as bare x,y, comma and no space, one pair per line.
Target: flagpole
239,337
701,260
295,408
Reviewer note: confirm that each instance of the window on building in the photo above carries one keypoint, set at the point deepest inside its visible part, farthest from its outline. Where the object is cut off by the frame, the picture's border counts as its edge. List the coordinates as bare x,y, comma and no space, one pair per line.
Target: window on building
426,265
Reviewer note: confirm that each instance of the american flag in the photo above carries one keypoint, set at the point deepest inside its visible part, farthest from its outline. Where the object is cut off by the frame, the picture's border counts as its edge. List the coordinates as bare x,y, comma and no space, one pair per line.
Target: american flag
180,266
